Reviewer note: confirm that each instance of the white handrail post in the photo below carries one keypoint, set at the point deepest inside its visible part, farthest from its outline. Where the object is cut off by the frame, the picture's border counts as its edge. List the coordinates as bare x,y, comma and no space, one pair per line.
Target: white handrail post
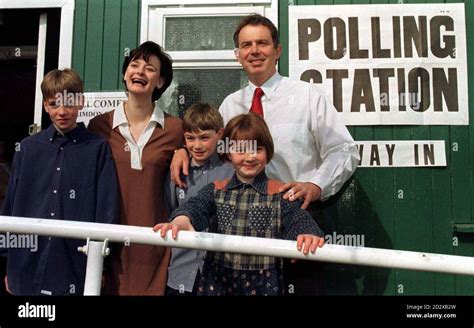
96,251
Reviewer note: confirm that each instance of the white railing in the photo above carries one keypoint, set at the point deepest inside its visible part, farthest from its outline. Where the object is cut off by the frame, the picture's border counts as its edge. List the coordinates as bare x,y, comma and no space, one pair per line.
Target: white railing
98,234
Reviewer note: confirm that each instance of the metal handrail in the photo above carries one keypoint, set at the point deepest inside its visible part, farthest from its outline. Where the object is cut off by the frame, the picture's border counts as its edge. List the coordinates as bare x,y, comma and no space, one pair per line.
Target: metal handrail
100,232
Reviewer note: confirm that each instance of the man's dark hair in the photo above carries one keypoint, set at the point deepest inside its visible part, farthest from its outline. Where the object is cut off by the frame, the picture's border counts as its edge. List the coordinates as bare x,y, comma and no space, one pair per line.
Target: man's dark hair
144,51
255,20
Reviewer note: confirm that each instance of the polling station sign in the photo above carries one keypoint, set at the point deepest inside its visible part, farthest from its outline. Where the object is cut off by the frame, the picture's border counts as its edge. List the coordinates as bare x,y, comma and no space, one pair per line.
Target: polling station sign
387,64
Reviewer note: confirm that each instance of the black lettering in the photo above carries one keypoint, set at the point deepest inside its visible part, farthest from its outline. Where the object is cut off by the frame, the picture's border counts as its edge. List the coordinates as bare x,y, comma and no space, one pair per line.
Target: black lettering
340,26
419,76
354,50
362,91
378,52
374,155
449,40
402,103
397,42
415,35
417,160
383,74
361,151
390,150
309,30
448,89
337,75
428,151
311,75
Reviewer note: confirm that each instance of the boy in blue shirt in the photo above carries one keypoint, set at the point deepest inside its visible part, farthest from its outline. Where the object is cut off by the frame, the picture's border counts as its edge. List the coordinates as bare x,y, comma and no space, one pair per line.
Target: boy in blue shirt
62,173
203,127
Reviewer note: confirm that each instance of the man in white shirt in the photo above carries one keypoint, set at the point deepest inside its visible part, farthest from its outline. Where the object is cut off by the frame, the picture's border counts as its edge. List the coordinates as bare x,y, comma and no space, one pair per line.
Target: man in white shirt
314,152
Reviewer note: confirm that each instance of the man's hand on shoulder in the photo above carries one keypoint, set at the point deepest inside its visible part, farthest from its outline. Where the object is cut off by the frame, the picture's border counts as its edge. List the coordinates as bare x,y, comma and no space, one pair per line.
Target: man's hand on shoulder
305,190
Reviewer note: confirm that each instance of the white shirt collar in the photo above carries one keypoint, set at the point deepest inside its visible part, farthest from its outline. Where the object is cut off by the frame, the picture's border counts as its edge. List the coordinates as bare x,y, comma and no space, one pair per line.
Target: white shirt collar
120,118
269,86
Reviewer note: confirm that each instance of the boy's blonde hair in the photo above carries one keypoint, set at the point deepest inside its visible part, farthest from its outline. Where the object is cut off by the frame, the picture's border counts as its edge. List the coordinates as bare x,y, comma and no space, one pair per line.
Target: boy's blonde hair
60,81
201,117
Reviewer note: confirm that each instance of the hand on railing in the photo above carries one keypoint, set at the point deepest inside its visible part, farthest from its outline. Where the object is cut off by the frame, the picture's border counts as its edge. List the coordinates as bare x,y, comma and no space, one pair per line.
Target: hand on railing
307,243
181,222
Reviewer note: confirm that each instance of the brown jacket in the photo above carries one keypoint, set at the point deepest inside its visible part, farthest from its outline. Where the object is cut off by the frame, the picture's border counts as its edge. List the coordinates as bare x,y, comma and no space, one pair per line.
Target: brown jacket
138,269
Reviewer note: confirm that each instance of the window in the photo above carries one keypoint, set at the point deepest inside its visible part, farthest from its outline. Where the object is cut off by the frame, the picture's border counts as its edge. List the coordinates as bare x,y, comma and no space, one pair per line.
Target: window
198,35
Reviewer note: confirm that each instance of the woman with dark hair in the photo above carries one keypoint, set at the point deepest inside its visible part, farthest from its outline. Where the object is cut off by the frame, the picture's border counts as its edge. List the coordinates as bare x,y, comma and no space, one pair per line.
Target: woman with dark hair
143,139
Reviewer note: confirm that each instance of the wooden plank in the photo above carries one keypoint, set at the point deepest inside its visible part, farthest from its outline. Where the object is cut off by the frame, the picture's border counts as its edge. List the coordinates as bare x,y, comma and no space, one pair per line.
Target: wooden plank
366,219
465,284
130,30
94,47
283,63
111,46
422,210
79,39
469,9
441,218
383,203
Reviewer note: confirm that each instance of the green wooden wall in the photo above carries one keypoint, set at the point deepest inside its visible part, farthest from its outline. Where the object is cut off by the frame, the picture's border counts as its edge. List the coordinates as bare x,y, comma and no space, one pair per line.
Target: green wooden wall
433,199
103,31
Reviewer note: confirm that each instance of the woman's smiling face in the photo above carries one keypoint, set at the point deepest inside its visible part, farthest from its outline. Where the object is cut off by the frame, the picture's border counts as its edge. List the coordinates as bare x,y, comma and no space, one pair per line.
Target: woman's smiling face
142,77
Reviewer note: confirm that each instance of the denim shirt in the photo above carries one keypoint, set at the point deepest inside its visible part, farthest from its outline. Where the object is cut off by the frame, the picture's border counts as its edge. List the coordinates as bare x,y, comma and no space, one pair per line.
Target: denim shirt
63,177
185,263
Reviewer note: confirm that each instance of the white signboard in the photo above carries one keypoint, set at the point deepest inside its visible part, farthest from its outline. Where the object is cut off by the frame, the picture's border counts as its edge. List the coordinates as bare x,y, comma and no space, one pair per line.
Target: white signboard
384,64
420,153
97,103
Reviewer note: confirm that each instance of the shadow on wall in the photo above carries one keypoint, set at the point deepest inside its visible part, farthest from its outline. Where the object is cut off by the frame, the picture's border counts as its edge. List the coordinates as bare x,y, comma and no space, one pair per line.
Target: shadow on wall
351,218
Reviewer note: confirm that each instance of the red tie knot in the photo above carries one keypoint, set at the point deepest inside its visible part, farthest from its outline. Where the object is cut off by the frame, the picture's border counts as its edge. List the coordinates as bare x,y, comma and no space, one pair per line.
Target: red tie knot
258,93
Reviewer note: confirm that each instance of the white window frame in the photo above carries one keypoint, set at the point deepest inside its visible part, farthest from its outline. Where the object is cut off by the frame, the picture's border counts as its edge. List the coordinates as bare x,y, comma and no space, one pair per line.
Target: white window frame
161,14
66,26
65,42
154,12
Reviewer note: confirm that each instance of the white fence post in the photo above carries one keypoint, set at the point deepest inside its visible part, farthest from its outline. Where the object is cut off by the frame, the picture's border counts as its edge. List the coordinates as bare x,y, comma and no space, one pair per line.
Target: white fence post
96,251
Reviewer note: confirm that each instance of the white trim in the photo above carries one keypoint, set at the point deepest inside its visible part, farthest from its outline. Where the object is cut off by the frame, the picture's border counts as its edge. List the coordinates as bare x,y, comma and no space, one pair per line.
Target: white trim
148,3
65,40
270,10
66,34
43,26
207,65
159,15
66,26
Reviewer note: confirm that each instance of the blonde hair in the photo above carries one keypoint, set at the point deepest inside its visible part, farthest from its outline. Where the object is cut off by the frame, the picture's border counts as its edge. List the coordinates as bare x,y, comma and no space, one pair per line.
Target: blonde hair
60,81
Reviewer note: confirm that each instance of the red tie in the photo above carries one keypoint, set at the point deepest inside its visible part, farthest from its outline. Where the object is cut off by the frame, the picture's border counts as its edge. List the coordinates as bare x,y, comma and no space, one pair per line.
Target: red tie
257,107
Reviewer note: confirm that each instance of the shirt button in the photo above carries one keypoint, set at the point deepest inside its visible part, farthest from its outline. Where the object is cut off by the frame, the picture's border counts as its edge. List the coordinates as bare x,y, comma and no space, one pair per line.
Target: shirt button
52,214
62,148
74,140
58,169
55,191
49,238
